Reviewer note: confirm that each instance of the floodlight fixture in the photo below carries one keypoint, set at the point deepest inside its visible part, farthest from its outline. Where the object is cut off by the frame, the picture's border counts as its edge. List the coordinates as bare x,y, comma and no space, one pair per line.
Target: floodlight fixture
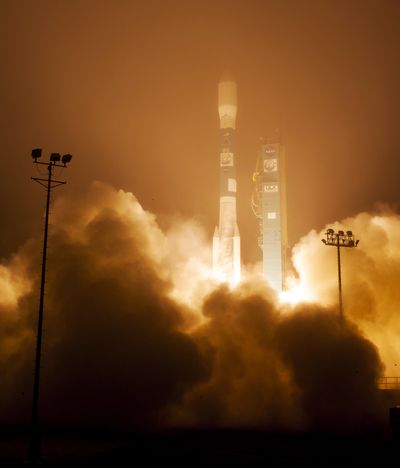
55,157
66,159
36,153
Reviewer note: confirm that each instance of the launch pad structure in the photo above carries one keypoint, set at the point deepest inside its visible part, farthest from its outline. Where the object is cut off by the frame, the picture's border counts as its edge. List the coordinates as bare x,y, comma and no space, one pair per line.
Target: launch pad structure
269,206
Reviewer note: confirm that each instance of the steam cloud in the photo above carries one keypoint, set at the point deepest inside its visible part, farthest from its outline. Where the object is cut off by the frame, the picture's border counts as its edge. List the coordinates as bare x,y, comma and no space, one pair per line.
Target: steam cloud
137,334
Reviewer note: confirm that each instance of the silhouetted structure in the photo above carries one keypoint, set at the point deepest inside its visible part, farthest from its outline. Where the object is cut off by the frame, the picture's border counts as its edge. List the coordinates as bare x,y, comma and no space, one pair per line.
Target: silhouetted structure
340,239
48,183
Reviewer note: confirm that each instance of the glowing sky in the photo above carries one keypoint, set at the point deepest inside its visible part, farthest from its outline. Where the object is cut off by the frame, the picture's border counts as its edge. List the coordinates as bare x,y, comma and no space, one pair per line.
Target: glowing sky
130,89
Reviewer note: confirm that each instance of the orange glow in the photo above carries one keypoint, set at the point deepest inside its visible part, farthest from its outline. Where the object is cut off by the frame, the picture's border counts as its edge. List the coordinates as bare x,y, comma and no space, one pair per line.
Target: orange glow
8,291
295,293
13,285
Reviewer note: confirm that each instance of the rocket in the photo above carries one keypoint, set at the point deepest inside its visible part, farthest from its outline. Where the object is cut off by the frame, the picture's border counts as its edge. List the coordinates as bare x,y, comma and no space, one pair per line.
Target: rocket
226,241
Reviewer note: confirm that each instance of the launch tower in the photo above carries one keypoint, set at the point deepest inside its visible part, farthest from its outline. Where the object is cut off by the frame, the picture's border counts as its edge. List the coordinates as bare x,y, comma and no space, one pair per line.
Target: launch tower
226,241
269,206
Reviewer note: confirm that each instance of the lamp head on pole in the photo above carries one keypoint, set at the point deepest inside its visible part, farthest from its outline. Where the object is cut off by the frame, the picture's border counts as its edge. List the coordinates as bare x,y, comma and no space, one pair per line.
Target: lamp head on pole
36,153
66,159
340,238
55,157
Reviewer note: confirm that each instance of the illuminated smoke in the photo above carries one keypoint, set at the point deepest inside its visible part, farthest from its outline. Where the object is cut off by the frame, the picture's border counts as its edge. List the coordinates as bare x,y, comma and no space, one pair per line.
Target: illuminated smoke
279,370
370,275
137,333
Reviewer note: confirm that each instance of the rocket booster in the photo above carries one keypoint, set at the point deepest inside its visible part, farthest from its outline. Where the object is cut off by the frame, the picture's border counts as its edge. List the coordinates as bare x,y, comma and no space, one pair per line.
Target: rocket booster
226,241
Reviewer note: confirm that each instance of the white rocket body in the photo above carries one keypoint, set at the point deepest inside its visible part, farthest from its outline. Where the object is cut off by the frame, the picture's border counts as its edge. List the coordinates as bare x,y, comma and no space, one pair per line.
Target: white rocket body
226,241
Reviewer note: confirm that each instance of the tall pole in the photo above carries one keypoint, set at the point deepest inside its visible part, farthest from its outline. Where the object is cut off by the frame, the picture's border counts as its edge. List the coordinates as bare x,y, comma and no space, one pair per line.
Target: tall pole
34,446
340,283
49,184
340,239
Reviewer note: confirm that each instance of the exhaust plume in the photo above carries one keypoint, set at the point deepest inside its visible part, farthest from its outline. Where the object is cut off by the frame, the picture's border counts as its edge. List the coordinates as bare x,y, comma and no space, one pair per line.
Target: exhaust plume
139,334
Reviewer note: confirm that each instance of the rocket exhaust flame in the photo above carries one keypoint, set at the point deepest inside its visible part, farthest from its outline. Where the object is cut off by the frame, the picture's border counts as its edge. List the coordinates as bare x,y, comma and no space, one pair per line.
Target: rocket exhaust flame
295,292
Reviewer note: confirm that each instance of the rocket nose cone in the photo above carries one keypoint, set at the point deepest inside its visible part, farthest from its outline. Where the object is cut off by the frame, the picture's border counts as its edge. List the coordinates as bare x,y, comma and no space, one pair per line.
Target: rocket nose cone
227,90
227,76
227,101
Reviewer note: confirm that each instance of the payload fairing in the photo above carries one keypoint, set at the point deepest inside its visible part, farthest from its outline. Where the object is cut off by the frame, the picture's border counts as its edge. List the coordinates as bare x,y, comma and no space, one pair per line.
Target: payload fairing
226,241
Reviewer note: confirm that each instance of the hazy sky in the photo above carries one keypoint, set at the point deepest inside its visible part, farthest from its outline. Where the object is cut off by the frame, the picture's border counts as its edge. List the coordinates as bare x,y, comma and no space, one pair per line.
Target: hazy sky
130,89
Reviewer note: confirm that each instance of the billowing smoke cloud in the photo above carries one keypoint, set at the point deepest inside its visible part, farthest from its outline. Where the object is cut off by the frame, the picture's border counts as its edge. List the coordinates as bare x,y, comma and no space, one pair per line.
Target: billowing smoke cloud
301,370
370,275
114,349
137,334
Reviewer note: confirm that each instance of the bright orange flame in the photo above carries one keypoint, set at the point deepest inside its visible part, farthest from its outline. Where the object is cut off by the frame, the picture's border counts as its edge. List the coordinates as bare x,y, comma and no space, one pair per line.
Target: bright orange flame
295,293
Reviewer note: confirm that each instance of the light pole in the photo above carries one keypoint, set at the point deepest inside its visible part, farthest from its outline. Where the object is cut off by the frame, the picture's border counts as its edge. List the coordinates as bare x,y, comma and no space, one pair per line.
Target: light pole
48,183
340,239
